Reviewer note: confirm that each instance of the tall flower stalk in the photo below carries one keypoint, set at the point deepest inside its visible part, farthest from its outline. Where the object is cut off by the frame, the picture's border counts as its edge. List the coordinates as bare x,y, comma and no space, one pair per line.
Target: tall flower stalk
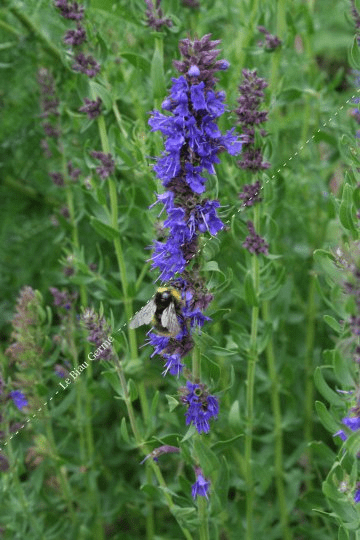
192,144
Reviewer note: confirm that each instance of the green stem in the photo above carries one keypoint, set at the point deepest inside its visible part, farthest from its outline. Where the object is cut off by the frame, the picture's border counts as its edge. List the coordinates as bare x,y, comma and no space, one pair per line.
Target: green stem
309,381
151,463
203,518
196,364
250,385
29,515
122,268
276,410
244,38
83,395
277,54
61,471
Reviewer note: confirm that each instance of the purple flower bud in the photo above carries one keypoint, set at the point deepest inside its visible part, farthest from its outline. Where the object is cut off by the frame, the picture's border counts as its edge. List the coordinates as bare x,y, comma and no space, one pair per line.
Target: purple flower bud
86,64
108,164
75,37
70,10
255,243
194,71
57,178
92,108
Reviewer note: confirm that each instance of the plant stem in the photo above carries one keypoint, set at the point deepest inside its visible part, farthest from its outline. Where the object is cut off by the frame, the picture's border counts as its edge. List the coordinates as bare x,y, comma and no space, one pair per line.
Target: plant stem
122,267
309,381
141,445
250,384
276,409
203,518
61,471
19,488
243,41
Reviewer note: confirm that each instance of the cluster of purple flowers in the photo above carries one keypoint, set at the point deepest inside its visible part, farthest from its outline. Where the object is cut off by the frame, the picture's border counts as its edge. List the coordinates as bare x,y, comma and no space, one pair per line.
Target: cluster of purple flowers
249,118
192,144
49,105
63,299
99,331
154,16
271,42
356,17
76,37
201,406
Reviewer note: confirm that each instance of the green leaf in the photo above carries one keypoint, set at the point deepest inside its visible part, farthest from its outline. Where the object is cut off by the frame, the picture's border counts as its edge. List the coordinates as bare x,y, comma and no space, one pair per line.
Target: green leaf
172,402
325,390
103,229
138,61
354,54
333,323
132,389
113,379
157,70
342,369
345,211
249,290
326,418
208,460
234,416
124,431
102,92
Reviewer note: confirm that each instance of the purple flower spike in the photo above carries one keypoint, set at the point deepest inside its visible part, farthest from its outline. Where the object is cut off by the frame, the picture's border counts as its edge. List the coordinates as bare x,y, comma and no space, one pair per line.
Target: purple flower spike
19,399
357,494
70,10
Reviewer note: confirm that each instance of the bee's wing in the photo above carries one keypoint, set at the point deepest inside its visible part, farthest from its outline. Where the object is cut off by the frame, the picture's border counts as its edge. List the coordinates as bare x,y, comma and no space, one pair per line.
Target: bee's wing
144,316
169,320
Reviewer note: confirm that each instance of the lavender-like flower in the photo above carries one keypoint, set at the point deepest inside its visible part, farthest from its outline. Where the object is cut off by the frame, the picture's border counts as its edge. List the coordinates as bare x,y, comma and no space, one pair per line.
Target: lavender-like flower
57,179
70,10
108,164
76,37
193,141
154,16
99,331
19,399
271,42
86,64
251,96
201,406
63,299
49,102
254,243
251,194
91,108
357,493
356,17
201,486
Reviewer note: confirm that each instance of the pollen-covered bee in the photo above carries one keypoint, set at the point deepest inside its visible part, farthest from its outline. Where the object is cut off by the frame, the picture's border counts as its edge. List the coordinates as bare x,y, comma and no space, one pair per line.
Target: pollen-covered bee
161,311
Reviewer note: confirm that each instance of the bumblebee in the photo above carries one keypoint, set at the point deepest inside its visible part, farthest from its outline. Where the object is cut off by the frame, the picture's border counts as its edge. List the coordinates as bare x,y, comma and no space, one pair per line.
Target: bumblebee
161,311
